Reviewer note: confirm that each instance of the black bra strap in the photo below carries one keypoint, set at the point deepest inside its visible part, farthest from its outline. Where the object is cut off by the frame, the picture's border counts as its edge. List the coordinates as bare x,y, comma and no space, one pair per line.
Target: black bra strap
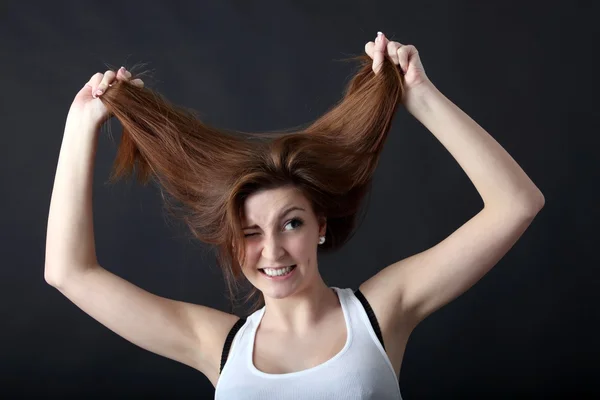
236,327
370,314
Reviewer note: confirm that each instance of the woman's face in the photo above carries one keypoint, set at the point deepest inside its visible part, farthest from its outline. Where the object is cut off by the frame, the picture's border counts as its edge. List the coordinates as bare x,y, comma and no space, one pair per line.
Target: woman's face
280,229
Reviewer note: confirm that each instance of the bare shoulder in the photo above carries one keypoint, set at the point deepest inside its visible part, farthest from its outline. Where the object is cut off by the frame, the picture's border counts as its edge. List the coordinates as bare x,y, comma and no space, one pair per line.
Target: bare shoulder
385,310
395,331
213,334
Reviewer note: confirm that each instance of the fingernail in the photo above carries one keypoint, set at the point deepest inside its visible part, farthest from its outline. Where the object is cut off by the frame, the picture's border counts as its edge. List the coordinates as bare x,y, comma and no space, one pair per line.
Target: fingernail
379,34
98,92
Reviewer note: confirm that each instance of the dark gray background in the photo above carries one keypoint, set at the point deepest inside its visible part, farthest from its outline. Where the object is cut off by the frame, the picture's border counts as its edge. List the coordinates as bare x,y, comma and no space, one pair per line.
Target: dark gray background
522,70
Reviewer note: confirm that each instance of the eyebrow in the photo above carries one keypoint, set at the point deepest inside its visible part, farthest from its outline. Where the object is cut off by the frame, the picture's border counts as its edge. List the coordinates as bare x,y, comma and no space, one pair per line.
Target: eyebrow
281,215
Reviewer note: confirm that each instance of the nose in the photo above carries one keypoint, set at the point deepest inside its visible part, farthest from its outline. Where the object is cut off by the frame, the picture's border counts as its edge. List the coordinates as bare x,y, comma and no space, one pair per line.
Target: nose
272,249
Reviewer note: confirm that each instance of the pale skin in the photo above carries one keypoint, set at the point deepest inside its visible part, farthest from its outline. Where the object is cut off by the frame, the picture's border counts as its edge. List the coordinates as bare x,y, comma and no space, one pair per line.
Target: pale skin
303,315
406,292
294,306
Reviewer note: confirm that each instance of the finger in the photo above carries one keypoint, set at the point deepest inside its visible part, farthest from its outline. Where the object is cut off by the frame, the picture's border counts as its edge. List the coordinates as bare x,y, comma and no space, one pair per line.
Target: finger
403,57
94,81
138,82
379,52
108,77
392,51
369,48
123,74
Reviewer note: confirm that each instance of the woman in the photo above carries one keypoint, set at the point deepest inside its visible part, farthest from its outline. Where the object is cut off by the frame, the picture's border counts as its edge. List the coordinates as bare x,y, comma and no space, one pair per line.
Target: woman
242,191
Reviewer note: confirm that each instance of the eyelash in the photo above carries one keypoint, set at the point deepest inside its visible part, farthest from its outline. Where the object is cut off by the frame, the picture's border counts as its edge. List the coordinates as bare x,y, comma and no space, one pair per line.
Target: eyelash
291,220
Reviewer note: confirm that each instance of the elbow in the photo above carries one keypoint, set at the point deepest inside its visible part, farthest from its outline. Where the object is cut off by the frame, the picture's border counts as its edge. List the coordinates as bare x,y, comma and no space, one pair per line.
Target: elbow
530,206
53,276
57,274
526,204
535,202
50,277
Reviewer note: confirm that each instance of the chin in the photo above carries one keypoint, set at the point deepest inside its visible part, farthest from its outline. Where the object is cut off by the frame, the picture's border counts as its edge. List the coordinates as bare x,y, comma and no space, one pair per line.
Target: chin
278,294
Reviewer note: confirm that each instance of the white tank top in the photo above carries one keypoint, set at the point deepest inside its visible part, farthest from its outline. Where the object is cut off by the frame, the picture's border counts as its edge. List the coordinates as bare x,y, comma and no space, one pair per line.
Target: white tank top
361,370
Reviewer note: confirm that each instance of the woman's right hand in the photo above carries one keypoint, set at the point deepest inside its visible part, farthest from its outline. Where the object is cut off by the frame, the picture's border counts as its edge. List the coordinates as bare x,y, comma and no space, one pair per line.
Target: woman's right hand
87,108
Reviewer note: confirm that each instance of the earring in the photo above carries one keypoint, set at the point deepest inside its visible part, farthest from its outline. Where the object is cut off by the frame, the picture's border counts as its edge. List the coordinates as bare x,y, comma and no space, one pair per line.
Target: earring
321,239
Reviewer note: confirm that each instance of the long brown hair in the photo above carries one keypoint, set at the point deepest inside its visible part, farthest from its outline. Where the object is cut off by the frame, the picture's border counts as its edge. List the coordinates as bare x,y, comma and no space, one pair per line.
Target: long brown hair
206,173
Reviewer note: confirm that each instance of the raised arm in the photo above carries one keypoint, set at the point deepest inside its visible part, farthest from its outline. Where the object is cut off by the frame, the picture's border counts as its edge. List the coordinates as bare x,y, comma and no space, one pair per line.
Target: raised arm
191,334
413,288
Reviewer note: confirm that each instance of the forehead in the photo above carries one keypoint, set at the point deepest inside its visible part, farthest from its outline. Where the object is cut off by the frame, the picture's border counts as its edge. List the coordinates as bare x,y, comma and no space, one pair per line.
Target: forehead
267,204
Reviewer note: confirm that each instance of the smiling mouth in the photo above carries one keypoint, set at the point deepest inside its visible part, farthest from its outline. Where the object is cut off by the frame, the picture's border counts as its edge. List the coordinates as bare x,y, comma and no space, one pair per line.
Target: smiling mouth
262,270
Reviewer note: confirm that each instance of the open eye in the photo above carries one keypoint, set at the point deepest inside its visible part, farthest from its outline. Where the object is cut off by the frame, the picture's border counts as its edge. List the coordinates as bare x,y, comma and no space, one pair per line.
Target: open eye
296,220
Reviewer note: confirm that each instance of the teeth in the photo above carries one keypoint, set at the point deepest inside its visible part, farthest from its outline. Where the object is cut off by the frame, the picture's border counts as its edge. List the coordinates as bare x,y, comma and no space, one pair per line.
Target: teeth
277,271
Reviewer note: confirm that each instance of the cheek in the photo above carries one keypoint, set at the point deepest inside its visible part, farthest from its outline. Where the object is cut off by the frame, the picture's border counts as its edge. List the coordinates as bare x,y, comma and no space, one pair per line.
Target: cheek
253,256
302,252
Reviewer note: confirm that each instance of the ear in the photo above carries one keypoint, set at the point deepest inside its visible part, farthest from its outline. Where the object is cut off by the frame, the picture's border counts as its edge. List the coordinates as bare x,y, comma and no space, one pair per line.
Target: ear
322,225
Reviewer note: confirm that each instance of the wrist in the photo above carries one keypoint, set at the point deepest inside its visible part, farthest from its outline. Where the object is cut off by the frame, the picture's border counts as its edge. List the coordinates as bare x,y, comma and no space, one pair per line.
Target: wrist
415,99
81,125
80,137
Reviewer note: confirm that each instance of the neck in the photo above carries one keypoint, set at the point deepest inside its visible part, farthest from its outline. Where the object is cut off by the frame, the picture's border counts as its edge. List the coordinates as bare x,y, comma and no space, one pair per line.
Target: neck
300,312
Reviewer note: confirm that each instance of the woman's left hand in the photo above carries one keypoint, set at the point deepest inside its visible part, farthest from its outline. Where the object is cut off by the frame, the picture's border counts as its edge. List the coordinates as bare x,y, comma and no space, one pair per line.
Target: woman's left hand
407,56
